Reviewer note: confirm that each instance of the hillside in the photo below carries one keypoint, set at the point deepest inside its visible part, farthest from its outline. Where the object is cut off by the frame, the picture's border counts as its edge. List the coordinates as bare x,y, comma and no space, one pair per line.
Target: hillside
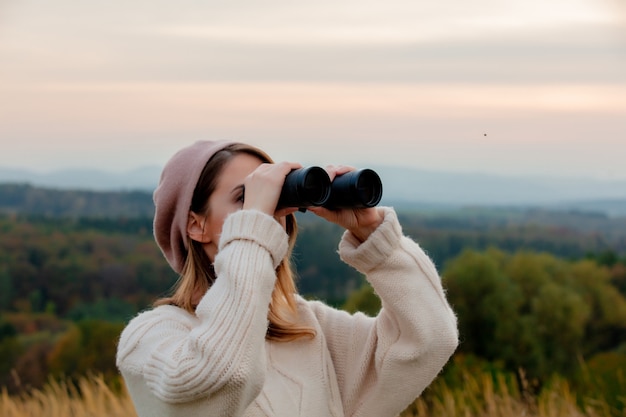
401,185
443,230
24,198
593,227
76,265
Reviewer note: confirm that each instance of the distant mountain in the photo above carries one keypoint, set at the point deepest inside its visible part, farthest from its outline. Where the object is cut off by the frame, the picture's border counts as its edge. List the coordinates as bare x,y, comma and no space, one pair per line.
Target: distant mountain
441,190
487,189
400,186
141,179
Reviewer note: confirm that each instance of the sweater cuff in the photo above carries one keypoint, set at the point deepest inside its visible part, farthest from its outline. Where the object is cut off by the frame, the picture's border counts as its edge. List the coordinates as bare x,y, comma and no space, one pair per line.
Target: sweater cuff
258,227
378,246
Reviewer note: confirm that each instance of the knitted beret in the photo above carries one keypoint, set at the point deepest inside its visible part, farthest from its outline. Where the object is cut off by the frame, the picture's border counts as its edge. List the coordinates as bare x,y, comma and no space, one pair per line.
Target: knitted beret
172,198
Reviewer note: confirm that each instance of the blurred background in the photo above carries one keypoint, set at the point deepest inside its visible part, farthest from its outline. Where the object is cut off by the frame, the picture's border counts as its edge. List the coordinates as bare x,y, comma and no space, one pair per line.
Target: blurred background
498,128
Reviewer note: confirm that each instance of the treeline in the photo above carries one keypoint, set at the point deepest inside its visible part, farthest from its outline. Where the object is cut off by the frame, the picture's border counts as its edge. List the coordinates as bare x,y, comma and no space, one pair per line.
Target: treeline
110,267
27,199
529,310
108,207
528,314
534,289
68,269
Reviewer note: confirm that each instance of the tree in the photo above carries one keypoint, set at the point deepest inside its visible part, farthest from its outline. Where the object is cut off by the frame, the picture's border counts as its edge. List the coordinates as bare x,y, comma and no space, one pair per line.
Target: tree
88,346
9,351
364,300
532,310
6,289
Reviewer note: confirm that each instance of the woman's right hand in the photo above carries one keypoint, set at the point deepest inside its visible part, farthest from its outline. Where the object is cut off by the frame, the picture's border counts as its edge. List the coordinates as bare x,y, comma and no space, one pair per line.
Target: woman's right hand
263,186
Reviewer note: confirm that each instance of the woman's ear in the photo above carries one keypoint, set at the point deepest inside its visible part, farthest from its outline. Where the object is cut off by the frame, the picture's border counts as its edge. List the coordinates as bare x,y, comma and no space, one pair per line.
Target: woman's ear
195,228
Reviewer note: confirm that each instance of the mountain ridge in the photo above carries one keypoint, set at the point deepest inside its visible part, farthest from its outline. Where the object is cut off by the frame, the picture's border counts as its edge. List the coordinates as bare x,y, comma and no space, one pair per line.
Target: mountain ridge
400,184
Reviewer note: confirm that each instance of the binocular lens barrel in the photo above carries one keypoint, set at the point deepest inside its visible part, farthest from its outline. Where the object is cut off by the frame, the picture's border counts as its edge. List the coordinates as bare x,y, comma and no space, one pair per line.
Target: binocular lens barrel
308,187
356,189
305,187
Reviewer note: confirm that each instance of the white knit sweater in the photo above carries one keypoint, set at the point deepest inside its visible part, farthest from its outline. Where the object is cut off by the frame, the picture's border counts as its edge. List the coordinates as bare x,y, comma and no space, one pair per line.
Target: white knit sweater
218,362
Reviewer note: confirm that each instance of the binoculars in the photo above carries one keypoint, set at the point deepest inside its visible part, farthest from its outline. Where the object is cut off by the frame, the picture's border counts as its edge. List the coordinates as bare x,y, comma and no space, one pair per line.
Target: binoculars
309,187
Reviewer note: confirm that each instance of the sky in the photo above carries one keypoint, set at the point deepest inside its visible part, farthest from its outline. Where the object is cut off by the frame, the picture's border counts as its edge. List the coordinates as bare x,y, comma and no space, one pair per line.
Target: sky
520,88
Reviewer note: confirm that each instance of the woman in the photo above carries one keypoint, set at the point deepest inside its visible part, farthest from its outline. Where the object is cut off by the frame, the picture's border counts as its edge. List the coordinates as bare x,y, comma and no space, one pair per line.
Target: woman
235,339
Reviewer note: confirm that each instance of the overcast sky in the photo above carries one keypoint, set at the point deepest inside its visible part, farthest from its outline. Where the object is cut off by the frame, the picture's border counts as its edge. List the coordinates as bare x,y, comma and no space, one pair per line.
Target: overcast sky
528,87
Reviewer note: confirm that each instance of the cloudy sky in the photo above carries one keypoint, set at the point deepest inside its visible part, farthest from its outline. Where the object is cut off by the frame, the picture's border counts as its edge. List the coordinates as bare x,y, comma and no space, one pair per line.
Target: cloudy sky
523,87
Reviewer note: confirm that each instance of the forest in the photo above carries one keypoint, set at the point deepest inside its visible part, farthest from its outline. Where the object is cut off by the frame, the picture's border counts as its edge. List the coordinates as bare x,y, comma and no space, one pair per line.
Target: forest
539,293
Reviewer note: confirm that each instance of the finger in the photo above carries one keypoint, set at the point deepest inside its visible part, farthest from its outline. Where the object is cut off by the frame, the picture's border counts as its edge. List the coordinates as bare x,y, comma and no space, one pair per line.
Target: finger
289,166
322,212
282,212
336,170
342,169
263,186
274,172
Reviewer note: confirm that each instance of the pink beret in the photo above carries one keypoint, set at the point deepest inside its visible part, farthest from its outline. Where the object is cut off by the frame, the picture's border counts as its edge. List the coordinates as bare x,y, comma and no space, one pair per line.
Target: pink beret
172,199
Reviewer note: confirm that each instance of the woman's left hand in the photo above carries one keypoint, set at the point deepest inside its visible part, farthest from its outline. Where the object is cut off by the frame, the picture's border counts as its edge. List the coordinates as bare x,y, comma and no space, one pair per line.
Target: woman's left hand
361,222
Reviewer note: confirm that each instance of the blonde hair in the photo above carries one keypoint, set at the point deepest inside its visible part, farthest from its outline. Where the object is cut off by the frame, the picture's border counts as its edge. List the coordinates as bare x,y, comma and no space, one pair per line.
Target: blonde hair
198,275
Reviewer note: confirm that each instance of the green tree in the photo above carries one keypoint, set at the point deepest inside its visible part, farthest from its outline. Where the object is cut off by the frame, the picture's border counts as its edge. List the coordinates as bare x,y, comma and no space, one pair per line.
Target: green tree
364,300
6,289
88,346
9,350
106,309
532,310
606,327
486,302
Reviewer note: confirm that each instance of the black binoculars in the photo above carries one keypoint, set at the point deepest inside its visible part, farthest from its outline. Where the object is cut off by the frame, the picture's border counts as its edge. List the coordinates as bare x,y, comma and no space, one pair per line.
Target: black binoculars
309,187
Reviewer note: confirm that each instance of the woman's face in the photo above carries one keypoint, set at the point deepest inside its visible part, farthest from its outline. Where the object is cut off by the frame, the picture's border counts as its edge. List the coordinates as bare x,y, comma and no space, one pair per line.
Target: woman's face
226,199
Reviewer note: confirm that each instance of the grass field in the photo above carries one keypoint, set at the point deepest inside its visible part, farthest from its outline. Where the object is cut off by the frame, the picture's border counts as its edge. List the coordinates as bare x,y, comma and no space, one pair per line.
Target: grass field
482,396
478,396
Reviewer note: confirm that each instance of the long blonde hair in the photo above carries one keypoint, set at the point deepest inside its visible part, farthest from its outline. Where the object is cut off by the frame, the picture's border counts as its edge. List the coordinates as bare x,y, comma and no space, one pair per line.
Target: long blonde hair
198,275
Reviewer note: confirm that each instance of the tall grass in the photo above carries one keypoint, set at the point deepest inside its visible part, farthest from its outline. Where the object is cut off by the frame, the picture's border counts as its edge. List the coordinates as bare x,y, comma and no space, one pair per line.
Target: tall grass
478,396
89,397
488,396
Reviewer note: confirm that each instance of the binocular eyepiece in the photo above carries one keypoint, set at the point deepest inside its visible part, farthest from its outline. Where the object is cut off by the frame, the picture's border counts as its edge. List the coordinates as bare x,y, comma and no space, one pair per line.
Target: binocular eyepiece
309,187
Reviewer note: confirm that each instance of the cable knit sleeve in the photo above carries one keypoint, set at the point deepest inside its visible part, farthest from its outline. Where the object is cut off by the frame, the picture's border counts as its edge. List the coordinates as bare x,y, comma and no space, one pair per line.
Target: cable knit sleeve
218,354
384,363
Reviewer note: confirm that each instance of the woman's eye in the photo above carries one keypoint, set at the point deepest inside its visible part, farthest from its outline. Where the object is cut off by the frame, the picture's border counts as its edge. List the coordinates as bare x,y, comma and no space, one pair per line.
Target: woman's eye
239,195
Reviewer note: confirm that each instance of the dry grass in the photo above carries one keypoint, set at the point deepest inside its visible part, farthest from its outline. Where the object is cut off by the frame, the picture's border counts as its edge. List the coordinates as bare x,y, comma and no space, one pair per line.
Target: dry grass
479,396
482,396
90,397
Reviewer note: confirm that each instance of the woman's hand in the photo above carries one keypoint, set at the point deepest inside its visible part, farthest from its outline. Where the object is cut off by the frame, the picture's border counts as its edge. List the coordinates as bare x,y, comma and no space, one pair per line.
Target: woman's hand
263,186
361,222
